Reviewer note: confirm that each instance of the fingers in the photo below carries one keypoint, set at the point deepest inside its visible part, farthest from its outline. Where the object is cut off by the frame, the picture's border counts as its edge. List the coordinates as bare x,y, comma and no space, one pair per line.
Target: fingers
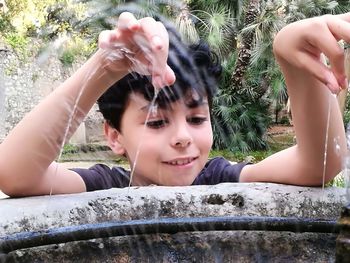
321,72
169,76
152,38
106,38
323,38
148,40
340,29
155,44
128,22
328,45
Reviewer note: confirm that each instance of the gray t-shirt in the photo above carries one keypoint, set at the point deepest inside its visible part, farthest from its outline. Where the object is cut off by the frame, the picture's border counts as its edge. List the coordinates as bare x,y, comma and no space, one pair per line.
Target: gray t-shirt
100,176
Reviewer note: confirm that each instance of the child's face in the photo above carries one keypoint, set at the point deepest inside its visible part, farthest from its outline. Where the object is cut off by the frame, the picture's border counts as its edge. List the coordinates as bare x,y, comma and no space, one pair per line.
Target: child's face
171,147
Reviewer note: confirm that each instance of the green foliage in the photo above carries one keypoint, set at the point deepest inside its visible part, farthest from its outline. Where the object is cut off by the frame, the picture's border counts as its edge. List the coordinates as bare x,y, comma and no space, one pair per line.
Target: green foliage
67,58
5,24
18,42
347,112
240,120
338,181
301,9
74,48
216,25
275,143
65,17
29,19
284,121
27,15
70,148
11,69
256,156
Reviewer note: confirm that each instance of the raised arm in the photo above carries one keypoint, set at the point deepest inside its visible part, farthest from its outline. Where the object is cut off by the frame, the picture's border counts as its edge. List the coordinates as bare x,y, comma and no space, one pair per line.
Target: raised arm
27,155
311,85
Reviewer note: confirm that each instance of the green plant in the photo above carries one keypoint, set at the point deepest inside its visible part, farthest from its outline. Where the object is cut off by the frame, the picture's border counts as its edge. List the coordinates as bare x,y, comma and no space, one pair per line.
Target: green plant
67,58
17,41
10,69
284,120
70,148
5,24
346,116
35,77
338,181
240,119
256,156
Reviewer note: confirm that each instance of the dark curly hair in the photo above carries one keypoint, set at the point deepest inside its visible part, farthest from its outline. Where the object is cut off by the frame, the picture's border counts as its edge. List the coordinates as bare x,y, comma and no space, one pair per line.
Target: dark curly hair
196,68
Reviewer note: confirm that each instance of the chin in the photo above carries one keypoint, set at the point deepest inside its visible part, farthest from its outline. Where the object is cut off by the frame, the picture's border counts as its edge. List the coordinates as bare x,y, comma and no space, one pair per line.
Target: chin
186,182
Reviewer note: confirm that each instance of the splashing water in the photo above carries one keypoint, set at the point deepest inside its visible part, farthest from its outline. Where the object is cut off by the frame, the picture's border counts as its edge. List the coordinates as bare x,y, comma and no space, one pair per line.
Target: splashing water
326,143
70,122
151,111
117,52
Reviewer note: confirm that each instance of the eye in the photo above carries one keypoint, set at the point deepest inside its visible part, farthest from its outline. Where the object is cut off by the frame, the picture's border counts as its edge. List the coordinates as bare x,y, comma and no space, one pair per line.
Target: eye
197,120
156,124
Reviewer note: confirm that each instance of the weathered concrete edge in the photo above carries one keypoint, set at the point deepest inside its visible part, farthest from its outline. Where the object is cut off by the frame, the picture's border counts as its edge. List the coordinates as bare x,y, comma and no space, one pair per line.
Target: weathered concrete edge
250,199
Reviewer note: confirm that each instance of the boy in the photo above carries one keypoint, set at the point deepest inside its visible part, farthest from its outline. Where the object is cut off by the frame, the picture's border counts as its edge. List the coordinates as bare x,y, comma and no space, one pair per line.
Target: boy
171,146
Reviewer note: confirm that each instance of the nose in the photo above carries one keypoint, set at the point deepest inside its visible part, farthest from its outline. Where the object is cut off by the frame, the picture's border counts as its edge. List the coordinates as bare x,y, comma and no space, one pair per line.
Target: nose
181,137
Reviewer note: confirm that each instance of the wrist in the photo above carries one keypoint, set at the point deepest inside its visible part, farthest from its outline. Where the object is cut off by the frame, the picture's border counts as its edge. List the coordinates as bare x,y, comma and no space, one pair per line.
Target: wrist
112,68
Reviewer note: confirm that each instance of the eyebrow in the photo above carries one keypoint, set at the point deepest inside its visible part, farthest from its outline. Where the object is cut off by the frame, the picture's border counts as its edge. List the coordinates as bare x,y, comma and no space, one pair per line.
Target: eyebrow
191,105
196,103
147,107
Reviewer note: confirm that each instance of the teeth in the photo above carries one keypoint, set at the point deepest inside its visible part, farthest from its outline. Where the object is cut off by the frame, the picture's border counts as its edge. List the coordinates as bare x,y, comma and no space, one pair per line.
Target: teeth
181,162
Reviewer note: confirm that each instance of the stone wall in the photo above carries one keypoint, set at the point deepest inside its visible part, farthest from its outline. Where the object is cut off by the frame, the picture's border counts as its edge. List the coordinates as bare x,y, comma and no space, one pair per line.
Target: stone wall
24,82
88,211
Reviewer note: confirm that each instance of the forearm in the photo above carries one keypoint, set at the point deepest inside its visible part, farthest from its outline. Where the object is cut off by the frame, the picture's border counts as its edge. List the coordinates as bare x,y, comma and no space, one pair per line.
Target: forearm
36,141
316,118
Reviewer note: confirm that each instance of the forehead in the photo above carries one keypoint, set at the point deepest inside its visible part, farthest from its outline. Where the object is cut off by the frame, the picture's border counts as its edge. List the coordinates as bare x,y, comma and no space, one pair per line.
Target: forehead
191,101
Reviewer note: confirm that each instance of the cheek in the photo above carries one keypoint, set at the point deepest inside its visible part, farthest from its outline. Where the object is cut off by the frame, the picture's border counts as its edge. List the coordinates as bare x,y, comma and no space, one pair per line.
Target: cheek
204,138
146,147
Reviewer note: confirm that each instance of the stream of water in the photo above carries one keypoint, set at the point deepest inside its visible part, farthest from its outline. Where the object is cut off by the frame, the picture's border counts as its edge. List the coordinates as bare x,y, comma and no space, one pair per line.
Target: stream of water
119,52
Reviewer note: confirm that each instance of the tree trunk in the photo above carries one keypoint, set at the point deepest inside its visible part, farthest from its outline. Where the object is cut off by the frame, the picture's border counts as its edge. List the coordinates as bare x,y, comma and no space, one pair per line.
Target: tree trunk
244,50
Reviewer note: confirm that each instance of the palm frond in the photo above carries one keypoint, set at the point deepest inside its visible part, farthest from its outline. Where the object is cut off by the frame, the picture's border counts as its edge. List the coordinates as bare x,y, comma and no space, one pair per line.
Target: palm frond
217,26
187,29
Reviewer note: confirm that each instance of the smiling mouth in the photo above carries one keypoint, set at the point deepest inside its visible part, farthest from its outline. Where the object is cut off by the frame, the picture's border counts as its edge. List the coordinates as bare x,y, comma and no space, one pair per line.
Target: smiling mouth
181,161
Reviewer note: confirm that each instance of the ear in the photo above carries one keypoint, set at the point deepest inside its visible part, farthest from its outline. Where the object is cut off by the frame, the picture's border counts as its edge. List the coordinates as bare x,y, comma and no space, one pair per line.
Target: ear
113,139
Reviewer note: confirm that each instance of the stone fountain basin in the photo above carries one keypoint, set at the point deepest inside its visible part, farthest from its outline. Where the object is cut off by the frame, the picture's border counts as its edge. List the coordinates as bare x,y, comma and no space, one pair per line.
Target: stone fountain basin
243,200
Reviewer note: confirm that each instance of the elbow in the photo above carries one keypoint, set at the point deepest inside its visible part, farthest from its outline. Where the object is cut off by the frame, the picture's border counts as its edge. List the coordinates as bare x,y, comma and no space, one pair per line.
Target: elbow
11,190
7,190
333,171
6,186
15,191
11,186
323,175
333,167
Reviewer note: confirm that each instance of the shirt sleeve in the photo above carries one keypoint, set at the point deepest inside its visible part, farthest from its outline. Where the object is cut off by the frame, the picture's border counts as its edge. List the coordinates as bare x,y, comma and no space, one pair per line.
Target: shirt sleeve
219,170
101,177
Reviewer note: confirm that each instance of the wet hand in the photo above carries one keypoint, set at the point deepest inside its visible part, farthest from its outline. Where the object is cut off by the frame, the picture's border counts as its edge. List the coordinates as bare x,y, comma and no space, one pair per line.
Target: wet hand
301,44
139,46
